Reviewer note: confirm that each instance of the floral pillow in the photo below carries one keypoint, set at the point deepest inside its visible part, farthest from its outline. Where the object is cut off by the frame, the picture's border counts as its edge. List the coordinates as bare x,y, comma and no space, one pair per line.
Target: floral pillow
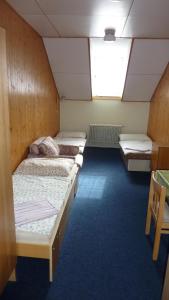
68,150
48,148
34,147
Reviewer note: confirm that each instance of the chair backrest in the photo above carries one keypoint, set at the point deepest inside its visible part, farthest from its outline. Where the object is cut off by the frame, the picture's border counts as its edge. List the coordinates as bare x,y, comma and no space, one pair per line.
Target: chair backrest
158,199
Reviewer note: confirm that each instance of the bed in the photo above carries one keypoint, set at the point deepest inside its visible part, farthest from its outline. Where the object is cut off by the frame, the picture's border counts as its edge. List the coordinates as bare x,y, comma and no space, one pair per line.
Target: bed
136,151
74,138
62,146
41,238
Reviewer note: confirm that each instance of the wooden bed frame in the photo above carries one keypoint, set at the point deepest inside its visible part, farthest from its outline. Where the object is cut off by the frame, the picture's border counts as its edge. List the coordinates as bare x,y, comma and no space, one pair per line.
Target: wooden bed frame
51,249
142,158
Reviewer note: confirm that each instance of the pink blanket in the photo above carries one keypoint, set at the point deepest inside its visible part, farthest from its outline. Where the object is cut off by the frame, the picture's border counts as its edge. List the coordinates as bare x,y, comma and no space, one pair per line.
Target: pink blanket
33,211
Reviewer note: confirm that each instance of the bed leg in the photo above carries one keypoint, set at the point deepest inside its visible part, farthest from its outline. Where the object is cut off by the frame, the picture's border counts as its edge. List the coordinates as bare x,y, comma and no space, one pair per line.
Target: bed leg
50,270
13,276
53,258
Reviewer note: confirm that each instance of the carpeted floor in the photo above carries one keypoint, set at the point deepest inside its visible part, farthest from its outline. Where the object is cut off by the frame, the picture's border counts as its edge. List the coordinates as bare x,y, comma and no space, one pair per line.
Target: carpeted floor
105,254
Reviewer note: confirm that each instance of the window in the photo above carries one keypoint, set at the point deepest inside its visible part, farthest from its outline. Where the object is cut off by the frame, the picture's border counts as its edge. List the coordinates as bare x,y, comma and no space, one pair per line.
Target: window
109,61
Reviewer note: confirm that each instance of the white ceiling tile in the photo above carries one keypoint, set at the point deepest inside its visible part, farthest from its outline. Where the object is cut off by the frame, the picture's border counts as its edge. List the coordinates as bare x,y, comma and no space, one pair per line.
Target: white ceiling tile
147,18
149,56
72,86
25,7
41,24
140,87
158,9
146,27
86,7
68,55
89,26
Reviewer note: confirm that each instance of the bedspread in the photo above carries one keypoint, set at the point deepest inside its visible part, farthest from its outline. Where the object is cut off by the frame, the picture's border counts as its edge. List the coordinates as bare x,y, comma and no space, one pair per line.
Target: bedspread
27,188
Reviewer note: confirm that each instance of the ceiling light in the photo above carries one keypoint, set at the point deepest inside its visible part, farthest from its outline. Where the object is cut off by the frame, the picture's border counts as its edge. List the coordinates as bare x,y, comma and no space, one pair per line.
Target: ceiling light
109,34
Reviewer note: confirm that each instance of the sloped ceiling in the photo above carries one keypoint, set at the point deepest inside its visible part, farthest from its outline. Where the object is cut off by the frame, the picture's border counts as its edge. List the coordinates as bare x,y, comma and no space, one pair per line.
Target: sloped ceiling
76,20
149,58
69,60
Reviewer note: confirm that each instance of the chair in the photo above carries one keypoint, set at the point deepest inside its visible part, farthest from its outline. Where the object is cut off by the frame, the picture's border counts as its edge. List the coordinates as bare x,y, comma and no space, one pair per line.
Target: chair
159,210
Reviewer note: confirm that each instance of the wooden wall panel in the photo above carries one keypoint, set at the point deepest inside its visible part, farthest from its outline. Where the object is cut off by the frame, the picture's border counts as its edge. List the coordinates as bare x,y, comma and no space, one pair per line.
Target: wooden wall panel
33,97
158,125
7,227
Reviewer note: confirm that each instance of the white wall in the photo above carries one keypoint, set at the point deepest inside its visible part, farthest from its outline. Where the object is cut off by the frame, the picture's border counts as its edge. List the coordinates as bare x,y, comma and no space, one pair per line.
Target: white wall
77,115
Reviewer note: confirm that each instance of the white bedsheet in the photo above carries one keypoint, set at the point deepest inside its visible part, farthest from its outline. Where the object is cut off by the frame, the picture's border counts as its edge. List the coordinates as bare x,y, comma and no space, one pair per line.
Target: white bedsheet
30,188
80,142
136,146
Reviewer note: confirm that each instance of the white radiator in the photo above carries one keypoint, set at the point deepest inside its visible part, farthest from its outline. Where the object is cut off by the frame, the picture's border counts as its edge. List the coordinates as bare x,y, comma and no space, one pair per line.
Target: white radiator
104,135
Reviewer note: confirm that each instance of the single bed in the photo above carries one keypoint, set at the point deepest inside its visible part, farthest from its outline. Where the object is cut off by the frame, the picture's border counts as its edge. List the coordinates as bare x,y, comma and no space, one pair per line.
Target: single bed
41,238
64,145
136,151
73,138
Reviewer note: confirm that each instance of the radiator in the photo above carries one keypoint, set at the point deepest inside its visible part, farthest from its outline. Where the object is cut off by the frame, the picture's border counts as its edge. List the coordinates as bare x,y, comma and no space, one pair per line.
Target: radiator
104,135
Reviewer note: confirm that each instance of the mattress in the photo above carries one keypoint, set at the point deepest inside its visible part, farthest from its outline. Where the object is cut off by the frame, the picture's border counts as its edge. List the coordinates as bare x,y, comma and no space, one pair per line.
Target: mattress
33,188
136,149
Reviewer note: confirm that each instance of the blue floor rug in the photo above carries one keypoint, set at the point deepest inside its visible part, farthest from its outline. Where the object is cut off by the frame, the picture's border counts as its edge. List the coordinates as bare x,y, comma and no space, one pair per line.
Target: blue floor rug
105,254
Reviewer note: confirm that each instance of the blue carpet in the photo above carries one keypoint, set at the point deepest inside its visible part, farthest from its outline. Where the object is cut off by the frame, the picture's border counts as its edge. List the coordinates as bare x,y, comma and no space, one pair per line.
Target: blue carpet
105,253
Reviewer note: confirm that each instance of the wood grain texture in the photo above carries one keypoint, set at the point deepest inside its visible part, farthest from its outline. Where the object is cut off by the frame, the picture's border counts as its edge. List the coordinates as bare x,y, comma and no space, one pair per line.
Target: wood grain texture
33,97
165,294
159,123
160,157
159,112
7,228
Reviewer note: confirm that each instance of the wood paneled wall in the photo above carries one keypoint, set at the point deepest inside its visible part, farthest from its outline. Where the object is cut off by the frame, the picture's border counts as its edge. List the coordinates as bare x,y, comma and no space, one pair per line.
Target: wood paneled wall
33,97
158,125
7,225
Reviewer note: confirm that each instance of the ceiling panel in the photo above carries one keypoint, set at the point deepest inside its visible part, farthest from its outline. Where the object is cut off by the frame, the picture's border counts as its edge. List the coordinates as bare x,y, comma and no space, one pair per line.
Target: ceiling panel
41,24
149,56
146,27
158,9
86,7
68,55
73,86
69,60
25,7
70,26
140,87
142,18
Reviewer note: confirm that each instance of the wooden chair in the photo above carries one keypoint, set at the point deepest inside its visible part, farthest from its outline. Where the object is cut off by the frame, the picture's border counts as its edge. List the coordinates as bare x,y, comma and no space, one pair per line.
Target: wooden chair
159,210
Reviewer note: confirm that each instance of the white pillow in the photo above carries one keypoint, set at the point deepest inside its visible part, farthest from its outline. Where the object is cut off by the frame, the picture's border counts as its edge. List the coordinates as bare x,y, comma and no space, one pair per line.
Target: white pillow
69,134
45,167
134,137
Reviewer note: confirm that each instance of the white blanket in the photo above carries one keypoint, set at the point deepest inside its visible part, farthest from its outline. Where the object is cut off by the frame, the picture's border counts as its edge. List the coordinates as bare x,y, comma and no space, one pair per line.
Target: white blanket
136,146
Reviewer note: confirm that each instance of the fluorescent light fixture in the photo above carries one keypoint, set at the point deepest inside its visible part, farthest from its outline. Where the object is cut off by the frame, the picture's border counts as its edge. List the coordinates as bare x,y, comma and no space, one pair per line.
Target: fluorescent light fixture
109,34
108,67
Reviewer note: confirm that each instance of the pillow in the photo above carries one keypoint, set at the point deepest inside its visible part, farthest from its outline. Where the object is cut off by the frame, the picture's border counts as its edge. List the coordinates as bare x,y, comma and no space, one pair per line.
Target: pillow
34,147
68,134
48,148
134,137
45,166
68,150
